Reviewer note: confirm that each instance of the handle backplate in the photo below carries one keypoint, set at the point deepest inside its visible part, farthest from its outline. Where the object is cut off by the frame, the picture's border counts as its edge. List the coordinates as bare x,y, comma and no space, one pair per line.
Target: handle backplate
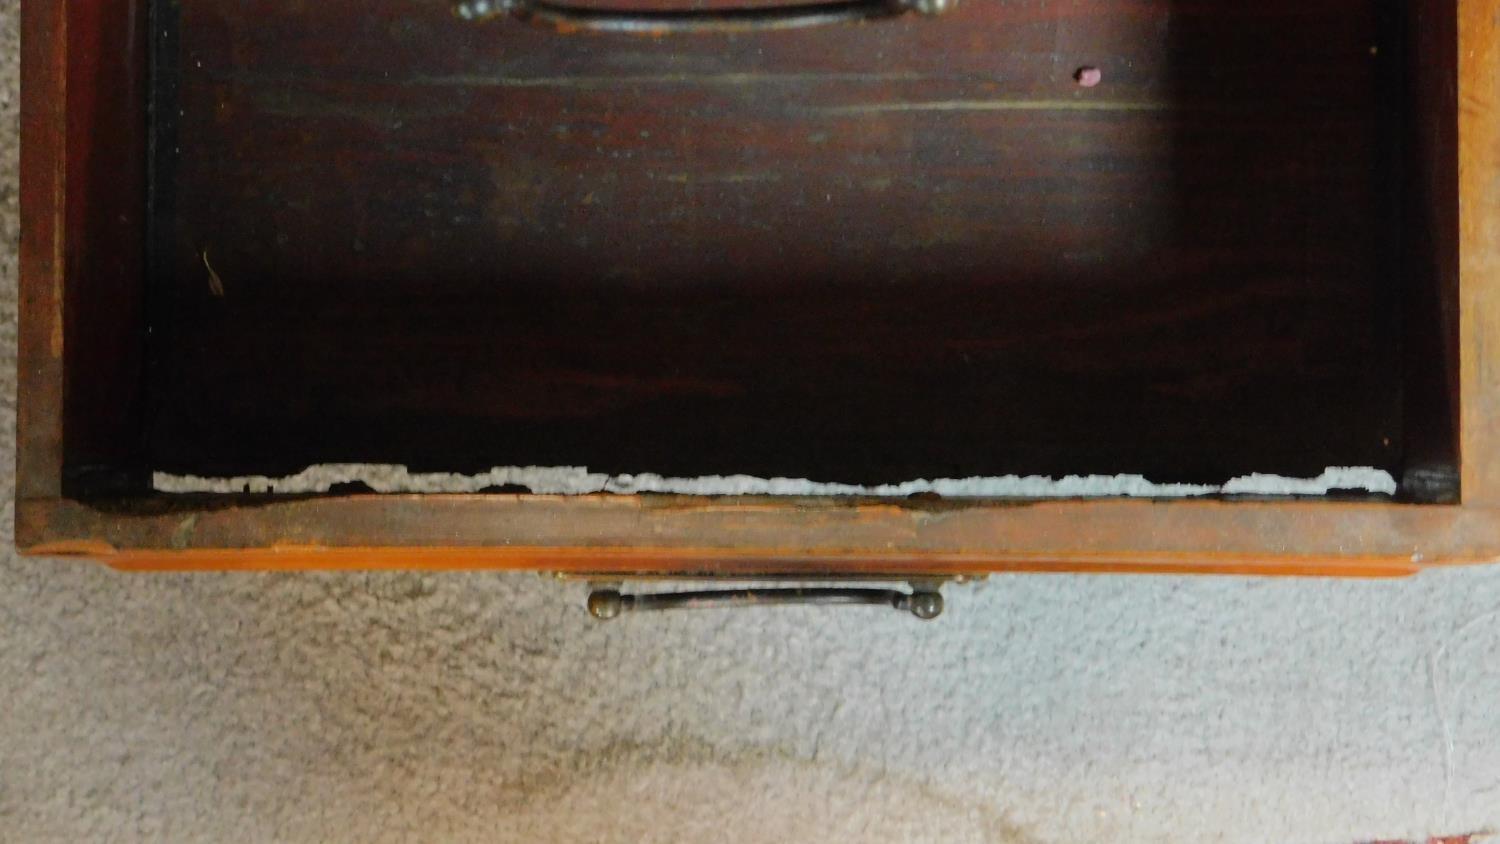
608,603
568,18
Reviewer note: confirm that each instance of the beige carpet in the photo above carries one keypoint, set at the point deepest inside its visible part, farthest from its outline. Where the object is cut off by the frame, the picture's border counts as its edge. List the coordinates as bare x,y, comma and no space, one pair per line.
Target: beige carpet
471,707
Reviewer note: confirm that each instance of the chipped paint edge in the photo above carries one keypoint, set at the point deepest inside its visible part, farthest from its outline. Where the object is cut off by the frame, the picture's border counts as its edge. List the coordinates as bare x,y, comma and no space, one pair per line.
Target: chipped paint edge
577,480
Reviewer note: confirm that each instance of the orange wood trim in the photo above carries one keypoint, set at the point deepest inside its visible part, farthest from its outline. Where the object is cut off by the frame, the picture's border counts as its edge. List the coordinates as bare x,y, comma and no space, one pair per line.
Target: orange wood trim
1479,246
687,535
726,563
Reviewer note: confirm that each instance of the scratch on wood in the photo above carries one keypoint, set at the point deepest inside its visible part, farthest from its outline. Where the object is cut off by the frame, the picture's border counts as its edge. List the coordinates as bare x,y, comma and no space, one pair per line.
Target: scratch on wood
59,225
722,178
182,536
215,284
55,340
996,105
730,79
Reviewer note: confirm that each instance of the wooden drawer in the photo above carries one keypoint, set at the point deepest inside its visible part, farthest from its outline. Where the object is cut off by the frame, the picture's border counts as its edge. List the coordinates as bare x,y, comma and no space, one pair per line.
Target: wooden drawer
265,236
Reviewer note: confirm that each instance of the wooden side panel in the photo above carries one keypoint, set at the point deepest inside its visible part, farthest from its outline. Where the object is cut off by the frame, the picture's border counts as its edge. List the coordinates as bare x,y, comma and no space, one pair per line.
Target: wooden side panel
103,308
83,138
1428,234
1479,215
43,168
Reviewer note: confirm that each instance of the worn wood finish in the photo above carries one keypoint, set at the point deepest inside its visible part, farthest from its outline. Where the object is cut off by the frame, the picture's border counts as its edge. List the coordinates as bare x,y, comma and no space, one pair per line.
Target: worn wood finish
862,254
39,428
1431,311
104,308
1479,215
768,536
626,535
82,246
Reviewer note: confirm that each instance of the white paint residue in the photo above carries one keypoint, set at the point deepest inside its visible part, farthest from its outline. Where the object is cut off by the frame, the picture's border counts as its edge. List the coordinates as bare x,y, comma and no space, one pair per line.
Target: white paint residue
1334,477
574,480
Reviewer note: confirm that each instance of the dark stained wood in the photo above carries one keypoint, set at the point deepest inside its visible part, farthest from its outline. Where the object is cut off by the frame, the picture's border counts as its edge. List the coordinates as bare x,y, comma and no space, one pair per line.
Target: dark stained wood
1428,223
82,204
104,308
869,253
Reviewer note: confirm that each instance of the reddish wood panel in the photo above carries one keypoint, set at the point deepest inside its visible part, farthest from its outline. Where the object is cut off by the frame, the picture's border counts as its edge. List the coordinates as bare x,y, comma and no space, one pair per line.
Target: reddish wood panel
83,194
105,294
39,428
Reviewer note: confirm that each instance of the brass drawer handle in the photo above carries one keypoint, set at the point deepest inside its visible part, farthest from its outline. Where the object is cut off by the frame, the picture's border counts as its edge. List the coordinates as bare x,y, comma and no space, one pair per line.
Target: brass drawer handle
608,603
665,21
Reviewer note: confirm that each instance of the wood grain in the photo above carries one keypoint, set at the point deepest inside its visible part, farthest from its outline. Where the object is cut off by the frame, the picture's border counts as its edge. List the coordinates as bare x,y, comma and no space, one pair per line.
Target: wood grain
39,429
105,292
657,534
329,88
82,245
862,254
1479,193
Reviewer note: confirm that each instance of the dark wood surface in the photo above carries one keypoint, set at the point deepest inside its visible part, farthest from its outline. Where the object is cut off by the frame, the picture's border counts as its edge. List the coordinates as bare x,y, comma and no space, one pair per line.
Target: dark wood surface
1429,222
82,249
105,216
872,253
